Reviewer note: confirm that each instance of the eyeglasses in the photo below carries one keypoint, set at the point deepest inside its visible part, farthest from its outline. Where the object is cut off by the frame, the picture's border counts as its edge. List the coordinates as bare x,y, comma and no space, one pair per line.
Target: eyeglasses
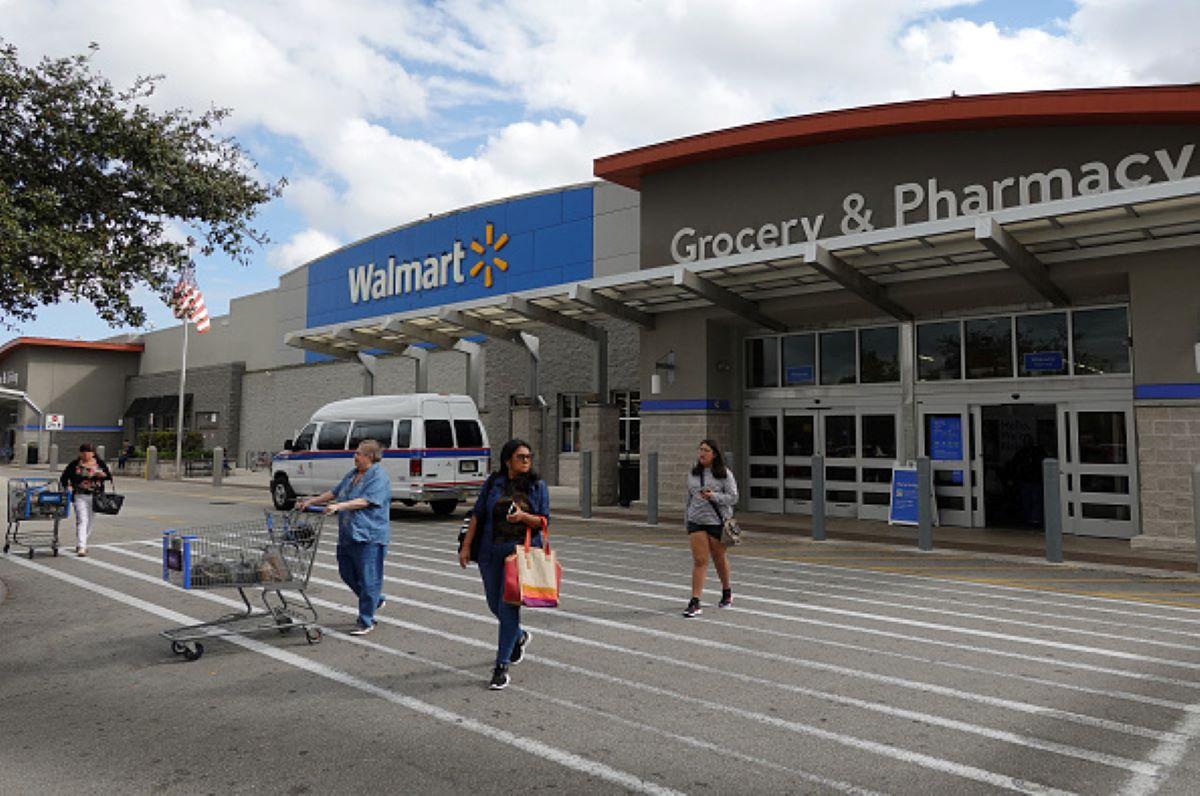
523,457
703,449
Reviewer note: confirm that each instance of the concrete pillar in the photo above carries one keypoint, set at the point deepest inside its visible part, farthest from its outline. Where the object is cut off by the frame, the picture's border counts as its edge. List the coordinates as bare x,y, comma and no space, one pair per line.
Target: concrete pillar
54,457
600,432
100,452
218,465
151,463
527,420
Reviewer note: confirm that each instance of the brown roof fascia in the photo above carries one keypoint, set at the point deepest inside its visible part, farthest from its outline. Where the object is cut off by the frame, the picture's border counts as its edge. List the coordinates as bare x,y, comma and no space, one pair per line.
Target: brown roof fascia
50,342
1127,105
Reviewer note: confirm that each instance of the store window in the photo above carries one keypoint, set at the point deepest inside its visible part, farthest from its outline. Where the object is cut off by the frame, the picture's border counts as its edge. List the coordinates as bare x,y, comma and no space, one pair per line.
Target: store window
879,354
841,440
764,436
799,359
1101,340
629,404
838,365
1042,344
879,436
1102,438
568,421
939,351
762,362
798,435
989,348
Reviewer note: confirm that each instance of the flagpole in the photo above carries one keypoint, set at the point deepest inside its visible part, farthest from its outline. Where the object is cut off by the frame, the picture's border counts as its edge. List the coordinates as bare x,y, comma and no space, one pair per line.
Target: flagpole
179,416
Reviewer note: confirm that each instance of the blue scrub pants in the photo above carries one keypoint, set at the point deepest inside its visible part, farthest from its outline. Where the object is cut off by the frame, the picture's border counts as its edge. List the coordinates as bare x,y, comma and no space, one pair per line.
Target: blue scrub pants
361,566
491,570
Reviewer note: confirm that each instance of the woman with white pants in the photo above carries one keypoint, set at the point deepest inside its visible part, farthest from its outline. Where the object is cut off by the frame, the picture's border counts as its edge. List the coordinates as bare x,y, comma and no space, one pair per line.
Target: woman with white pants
84,477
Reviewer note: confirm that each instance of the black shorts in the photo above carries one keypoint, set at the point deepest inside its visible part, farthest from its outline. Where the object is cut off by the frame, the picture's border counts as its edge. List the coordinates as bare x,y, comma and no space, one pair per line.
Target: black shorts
712,530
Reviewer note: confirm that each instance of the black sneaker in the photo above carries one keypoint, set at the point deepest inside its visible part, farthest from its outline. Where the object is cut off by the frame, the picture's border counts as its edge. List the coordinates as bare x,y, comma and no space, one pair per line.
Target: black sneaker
499,678
519,648
726,598
693,609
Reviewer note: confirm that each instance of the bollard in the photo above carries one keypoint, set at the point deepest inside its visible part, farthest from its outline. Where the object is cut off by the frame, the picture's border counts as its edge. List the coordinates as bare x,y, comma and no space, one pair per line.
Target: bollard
1052,510
652,488
54,457
218,465
924,504
1196,510
151,463
100,452
585,484
818,498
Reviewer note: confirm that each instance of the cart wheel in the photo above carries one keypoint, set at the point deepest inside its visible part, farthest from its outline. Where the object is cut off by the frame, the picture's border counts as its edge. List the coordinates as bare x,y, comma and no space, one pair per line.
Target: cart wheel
313,634
194,654
6,549
285,629
177,648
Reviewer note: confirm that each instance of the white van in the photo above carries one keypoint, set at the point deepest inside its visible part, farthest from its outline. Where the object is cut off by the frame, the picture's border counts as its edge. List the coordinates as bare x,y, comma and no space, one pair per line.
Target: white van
435,450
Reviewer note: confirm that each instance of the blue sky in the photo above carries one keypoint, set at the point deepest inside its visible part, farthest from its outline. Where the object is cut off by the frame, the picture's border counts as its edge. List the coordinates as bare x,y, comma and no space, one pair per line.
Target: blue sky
381,112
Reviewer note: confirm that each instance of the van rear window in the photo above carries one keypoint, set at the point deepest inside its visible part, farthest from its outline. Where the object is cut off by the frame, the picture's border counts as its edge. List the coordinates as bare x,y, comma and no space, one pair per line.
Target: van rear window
438,435
468,433
378,430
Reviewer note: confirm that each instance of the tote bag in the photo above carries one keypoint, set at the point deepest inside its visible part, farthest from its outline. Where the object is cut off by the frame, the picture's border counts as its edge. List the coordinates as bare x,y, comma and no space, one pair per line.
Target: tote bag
532,575
107,502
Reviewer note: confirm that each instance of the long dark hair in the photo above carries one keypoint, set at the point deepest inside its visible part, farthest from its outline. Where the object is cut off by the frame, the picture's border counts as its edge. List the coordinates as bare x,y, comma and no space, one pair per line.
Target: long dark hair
525,481
718,465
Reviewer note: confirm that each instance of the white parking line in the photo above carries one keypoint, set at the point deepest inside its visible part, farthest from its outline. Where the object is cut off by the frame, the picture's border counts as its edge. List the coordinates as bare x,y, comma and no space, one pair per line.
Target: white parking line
533,747
926,761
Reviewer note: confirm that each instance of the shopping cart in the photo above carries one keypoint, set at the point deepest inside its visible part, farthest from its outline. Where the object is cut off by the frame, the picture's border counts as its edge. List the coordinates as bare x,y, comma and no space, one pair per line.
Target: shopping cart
274,554
35,508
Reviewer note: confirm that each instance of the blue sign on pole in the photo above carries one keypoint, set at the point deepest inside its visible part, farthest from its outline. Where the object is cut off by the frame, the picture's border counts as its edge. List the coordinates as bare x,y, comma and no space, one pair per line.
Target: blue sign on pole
801,374
902,508
945,438
1043,362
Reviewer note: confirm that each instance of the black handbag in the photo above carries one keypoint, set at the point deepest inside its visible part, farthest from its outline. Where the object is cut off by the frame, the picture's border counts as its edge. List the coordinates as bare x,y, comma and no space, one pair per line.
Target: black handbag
731,532
107,502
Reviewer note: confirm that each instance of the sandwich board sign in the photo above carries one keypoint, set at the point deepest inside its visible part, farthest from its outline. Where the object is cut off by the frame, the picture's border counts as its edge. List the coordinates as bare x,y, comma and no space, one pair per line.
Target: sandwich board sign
902,505
55,422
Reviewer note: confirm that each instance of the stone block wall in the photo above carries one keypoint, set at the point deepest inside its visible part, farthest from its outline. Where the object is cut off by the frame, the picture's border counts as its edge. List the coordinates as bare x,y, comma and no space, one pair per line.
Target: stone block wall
1168,440
676,436
217,388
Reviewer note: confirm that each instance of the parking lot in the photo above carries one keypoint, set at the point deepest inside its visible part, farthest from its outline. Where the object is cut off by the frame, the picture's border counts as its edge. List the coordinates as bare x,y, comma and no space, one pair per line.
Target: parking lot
840,668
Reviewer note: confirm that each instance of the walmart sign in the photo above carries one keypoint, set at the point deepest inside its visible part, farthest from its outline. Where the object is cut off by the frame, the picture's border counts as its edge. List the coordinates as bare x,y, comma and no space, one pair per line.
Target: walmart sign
507,247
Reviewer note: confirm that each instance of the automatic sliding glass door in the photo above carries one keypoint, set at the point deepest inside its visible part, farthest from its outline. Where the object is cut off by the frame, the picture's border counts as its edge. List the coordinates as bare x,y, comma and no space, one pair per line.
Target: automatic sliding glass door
765,487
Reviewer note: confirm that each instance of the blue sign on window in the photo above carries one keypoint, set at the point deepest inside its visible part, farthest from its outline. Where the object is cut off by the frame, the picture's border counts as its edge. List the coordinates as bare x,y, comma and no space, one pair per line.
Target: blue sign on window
945,438
802,374
902,508
1043,362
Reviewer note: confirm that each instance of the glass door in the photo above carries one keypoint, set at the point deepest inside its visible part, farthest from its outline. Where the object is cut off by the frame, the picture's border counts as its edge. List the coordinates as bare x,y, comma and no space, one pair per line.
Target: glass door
799,442
839,443
1099,479
879,433
765,487
945,436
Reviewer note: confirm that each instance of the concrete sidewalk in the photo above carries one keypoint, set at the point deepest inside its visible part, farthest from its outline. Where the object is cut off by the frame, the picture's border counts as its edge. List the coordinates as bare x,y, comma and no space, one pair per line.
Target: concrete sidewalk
1013,542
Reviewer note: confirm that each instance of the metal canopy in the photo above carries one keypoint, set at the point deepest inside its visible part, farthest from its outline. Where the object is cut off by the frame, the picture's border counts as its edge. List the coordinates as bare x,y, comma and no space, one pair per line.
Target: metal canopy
1148,218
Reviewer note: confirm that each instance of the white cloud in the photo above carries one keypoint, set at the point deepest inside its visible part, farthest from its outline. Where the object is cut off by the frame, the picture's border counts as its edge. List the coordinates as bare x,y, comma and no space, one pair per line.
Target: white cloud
301,248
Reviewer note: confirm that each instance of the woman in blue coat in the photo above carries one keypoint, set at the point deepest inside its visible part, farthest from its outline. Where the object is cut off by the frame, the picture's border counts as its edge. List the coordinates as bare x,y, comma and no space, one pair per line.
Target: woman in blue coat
512,499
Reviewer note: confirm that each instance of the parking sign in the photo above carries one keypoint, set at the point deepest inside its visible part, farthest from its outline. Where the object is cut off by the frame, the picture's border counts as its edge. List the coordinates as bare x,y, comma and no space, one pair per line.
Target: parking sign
55,422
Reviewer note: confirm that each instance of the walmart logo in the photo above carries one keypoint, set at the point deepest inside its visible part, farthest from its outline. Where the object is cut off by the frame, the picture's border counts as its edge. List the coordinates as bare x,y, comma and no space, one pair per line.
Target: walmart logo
371,282
486,265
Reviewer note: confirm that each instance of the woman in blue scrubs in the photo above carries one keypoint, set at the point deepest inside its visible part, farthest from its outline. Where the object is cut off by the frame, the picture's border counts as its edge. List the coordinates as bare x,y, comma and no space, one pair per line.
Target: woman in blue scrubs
363,502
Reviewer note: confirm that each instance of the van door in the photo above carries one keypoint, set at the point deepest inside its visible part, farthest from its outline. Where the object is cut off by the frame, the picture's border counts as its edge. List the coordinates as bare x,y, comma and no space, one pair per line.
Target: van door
299,461
332,460
471,467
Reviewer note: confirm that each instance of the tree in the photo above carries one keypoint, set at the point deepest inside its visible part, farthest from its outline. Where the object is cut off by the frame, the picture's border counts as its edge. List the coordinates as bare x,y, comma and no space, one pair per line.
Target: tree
92,182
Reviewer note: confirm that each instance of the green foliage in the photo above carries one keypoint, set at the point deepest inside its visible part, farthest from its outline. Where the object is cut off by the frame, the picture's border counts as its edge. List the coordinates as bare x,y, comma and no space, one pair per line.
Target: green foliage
91,179
193,443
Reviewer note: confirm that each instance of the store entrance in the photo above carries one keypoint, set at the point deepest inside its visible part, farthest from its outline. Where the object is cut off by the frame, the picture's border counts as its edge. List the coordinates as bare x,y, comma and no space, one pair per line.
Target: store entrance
1015,438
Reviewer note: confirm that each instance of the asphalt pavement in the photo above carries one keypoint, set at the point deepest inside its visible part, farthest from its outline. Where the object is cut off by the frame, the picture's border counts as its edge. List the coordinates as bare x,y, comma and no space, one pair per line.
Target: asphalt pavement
840,668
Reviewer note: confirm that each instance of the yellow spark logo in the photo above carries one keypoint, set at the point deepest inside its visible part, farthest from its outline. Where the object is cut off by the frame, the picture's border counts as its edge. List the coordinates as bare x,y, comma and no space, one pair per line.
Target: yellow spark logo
486,266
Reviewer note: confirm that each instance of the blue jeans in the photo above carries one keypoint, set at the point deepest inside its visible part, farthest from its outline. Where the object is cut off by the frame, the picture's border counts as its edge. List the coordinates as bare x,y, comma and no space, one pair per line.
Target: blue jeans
361,566
491,569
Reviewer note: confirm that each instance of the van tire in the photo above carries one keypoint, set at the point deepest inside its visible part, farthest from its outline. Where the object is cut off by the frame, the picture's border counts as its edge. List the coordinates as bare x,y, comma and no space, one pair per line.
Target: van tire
281,493
443,508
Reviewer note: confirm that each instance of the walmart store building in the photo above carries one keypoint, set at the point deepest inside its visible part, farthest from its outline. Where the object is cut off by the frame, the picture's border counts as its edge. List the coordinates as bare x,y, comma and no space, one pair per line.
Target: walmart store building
982,280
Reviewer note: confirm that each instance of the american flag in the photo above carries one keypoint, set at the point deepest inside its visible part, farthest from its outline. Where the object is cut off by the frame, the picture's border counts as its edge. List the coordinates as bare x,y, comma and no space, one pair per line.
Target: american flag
187,301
